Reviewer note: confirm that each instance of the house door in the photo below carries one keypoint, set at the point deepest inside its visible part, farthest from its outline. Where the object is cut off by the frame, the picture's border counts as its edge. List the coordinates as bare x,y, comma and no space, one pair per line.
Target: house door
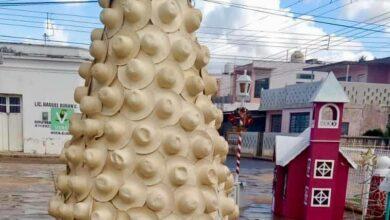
11,132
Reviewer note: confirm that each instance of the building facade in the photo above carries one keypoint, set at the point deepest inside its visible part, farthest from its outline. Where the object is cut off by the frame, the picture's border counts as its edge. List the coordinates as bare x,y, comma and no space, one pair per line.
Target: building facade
36,96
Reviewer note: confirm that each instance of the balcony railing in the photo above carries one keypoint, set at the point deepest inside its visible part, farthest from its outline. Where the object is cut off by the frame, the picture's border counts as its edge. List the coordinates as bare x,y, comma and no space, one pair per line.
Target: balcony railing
329,124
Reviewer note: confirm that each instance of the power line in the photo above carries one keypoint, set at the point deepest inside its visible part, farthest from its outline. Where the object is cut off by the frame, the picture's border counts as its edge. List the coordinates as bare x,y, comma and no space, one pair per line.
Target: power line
53,13
46,3
41,40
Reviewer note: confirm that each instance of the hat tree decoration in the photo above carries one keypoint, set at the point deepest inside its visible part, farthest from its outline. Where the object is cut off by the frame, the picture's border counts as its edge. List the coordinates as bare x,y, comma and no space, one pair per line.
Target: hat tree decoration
145,145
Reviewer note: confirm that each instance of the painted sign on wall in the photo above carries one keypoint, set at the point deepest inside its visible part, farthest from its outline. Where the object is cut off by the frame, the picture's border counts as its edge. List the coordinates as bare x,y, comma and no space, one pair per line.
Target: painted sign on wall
60,118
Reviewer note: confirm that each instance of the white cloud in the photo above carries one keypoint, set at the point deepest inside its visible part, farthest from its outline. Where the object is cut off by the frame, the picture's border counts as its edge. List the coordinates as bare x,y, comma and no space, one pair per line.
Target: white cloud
366,8
222,16
56,33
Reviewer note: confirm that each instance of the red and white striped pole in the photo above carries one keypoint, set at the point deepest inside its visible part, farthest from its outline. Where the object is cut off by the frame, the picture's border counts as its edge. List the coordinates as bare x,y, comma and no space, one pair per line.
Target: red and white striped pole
238,150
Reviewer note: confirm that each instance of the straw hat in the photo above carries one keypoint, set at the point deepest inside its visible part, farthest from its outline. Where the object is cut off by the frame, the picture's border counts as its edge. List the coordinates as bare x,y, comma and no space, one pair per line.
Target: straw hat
160,200
75,125
62,183
80,185
189,201
141,214
138,73
82,210
192,18
66,211
191,117
183,49
204,217
202,57
123,159
169,76
210,83
174,142
93,127
85,70
138,104
95,156
97,34
106,185
122,215
219,119
54,204
194,85
201,145
209,110
222,171
98,50
145,138
103,73
227,206
211,198
131,194
137,13
166,14
168,109
90,105
206,173
123,46
103,211
229,183
221,146
112,18
79,93
117,133
74,154
155,43
151,168
111,98
180,171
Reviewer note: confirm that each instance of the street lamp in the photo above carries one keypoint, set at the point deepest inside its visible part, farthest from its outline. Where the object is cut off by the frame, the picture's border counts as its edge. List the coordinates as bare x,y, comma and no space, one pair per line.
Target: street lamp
244,84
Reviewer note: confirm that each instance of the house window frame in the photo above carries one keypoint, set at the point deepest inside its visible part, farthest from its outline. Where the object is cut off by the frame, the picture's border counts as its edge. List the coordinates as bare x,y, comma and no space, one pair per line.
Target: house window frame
292,114
345,128
315,169
313,198
272,122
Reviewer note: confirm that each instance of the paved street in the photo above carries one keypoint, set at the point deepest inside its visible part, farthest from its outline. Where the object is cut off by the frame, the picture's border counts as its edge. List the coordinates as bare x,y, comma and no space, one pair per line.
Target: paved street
26,187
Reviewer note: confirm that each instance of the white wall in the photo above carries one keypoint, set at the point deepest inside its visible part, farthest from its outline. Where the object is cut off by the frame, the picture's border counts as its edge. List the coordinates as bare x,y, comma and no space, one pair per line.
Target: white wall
40,80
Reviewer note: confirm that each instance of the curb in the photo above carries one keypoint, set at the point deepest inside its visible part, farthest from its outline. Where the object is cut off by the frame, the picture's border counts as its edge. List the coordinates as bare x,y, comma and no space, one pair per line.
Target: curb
25,157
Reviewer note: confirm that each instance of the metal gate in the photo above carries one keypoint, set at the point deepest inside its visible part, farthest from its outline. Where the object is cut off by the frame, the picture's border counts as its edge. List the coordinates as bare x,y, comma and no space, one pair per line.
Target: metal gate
11,125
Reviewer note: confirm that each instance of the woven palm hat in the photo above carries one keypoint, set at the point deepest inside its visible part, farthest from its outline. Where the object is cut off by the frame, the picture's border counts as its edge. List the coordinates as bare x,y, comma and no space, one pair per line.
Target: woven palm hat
168,109
210,196
117,133
150,168
210,83
183,49
145,138
66,211
201,145
62,183
229,183
137,13
192,18
166,14
82,210
219,120
169,76
80,184
142,214
202,57
138,104
111,98
93,127
155,43
103,211
221,146
194,85
97,34
74,154
54,204
75,125
174,142
122,215
209,110
159,199
90,105
212,216
189,201
79,93
180,171
138,73
98,50
95,156
222,170
191,118
106,185
85,71
227,206
112,18
124,46
131,194
206,173
103,73
123,159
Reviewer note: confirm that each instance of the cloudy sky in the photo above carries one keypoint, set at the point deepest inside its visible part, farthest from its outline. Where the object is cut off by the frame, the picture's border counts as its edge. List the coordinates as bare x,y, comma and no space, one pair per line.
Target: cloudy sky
238,30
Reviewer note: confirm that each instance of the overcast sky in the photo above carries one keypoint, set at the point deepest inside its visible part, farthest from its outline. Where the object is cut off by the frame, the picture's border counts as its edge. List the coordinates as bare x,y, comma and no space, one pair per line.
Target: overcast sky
345,44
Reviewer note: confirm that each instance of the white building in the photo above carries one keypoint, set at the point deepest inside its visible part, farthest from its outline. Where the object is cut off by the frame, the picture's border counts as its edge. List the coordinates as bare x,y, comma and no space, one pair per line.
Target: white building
36,96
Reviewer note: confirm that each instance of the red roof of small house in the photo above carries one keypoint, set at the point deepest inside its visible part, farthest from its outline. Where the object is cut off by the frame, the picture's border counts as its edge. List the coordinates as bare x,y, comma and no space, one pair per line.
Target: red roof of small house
287,148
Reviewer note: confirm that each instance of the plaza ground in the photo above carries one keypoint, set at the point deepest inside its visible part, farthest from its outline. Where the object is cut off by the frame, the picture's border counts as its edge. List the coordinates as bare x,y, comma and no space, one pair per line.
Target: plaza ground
27,184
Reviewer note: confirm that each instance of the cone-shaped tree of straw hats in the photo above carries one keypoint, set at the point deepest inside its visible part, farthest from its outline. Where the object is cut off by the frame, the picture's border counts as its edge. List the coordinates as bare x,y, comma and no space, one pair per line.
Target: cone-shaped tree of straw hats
145,145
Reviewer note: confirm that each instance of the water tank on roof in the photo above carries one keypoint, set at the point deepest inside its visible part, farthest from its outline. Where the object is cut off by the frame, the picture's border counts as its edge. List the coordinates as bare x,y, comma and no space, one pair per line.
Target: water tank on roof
297,57
229,68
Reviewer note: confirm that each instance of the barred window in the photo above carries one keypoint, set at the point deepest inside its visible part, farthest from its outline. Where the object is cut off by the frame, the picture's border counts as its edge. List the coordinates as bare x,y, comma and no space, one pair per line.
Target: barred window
320,197
323,169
